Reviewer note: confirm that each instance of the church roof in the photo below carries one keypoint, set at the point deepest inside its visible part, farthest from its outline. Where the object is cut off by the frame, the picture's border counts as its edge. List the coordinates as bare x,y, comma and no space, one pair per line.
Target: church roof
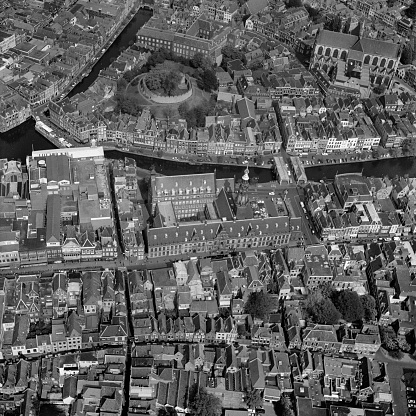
336,40
378,47
365,45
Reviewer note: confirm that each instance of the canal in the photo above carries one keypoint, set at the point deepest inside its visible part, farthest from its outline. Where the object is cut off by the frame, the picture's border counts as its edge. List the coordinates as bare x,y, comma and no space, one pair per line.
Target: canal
377,168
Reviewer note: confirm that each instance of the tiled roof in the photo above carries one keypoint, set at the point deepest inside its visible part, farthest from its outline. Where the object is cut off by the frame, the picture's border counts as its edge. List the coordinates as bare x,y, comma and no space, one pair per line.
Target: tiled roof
335,39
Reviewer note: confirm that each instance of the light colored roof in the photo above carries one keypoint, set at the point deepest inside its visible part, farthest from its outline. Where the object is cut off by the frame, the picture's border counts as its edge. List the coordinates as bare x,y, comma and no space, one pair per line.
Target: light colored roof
162,183
365,45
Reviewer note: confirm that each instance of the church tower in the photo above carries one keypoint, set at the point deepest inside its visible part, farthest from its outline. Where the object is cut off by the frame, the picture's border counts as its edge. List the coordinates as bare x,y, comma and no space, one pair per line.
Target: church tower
242,197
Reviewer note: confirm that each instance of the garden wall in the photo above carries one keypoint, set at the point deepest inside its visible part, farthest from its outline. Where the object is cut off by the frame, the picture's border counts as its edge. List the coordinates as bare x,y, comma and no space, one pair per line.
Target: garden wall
165,100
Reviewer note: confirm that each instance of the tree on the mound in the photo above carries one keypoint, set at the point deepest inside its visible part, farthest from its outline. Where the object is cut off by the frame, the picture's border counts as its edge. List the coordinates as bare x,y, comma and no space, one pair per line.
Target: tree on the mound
153,82
202,403
170,82
259,304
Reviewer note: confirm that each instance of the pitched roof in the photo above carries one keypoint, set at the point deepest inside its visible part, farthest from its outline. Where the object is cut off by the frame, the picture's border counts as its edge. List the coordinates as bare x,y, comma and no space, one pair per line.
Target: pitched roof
335,39
354,43
69,388
246,108
53,218
223,282
377,47
255,6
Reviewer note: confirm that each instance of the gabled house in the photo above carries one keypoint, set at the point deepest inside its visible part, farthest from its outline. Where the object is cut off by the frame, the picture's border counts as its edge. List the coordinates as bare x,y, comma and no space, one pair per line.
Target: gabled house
91,292
194,281
322,338
71,249
108,294
199,323
59,294
224,289
74,331
225,330
115,333
253,279
256,374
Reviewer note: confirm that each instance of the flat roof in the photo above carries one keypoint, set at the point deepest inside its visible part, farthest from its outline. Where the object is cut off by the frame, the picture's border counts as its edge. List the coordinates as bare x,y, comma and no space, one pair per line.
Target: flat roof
74,152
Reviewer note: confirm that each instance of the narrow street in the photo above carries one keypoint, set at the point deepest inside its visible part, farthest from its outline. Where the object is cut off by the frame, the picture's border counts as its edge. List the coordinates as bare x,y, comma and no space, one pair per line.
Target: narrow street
130,344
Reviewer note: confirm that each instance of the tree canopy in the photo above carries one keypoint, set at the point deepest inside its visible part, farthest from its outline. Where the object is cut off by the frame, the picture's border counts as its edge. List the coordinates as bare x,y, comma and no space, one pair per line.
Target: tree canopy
253,399
202,403
284,407
325,305
322,311
195,116
369,307
229,54
335,25
314,14
293,3
411,10
127,103
200,61
349,305
259,304
406,57
208,80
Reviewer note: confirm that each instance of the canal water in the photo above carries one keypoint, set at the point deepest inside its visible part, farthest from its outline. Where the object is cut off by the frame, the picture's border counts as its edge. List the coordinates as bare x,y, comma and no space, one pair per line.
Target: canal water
377,168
